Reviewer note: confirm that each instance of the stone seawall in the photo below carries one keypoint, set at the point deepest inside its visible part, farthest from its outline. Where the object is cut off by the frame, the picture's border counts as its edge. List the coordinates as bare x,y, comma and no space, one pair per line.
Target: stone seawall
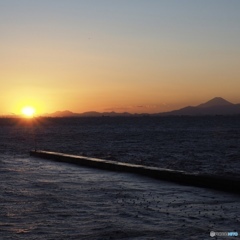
181,177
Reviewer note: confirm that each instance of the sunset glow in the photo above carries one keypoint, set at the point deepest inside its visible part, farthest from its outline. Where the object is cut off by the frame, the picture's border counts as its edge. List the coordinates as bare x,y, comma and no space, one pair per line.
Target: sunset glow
28,111
125,56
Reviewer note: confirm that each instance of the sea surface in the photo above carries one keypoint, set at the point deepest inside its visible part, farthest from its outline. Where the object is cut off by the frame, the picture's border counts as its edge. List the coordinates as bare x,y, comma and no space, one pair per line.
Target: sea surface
41,199
209,145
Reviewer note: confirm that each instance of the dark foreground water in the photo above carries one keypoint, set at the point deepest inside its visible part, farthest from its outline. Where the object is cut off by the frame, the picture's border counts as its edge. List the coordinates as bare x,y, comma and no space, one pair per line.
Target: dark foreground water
47,200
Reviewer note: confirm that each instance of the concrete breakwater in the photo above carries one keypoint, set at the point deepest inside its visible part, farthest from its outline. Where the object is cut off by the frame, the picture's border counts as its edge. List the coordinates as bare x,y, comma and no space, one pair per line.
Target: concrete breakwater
181,177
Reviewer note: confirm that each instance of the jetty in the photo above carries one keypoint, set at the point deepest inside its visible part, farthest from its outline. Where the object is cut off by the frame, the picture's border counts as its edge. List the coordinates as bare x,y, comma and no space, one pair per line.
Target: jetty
180,177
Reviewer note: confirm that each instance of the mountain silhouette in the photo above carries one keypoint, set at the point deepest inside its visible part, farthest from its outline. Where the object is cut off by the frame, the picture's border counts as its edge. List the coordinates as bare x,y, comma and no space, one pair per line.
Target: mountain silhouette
67,113
215,102
215,106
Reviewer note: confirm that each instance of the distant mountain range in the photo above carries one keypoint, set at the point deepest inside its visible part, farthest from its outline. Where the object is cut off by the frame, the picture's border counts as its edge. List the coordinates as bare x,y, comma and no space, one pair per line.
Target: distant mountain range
86,114
216,106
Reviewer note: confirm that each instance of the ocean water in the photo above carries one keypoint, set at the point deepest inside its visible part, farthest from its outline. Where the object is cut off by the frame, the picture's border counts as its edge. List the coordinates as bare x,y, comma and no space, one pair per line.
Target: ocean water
41,199
208,145
47,200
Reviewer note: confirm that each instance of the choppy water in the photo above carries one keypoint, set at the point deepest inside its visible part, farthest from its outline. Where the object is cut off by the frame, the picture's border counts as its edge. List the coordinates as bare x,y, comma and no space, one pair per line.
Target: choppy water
195,144
47,200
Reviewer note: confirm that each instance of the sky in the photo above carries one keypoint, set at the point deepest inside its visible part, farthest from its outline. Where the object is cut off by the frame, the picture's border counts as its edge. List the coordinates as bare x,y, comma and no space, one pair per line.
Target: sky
117,55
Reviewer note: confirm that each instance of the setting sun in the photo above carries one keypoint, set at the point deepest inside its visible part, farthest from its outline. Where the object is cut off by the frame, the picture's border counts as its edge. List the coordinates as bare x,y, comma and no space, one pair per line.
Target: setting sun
28,111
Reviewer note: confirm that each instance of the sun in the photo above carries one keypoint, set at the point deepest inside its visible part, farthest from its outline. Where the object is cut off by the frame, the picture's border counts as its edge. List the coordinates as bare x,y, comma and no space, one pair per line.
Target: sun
28,111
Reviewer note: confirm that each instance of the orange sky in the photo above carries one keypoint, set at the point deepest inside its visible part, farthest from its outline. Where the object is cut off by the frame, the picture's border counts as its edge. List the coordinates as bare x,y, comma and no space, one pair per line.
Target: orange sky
143,56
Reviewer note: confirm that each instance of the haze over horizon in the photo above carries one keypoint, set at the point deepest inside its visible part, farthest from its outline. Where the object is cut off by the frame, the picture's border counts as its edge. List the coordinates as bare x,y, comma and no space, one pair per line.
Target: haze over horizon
215,106
211,103
124,56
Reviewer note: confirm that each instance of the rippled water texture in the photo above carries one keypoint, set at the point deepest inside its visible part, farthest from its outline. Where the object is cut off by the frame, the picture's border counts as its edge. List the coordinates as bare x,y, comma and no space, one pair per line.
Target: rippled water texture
195,144
48,200
41,199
